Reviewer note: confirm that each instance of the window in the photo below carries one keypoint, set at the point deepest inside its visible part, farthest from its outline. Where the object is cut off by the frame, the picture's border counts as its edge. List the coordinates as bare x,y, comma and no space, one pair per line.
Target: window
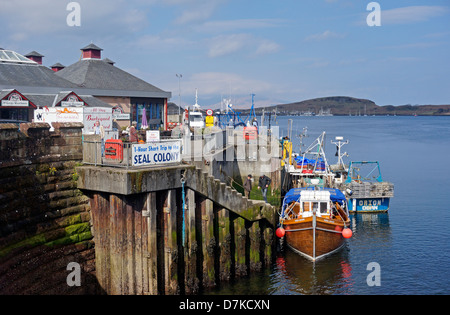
323,207
306,206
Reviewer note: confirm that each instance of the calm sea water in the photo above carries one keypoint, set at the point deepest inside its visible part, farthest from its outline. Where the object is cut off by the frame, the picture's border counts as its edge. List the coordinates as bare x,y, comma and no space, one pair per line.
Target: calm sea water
411,243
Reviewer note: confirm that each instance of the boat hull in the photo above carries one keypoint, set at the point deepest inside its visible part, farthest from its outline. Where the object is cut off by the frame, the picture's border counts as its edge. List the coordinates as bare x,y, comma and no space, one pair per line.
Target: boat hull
314,237
370,205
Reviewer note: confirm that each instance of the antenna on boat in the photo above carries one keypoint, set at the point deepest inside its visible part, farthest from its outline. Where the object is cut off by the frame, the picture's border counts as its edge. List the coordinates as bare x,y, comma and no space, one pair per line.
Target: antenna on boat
339,144
196,106
301,136
196,96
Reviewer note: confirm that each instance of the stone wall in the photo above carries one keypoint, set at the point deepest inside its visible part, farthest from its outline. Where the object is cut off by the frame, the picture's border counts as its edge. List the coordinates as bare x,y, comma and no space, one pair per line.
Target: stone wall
44,218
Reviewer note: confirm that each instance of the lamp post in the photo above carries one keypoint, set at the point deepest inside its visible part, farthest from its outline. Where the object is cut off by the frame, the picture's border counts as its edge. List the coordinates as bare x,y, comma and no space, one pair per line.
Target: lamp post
179,76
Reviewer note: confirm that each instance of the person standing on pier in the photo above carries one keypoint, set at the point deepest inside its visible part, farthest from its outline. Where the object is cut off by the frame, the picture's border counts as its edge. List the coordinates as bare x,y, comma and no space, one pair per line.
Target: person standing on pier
248,186
264,183
133,132
100,130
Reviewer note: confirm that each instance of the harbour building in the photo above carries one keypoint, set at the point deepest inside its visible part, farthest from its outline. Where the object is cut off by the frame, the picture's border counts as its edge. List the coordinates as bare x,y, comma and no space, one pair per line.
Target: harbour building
26,84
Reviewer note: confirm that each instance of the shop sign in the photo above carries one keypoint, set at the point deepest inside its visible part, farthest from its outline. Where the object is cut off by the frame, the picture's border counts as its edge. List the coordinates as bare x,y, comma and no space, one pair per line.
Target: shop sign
72,101
15,99
119,114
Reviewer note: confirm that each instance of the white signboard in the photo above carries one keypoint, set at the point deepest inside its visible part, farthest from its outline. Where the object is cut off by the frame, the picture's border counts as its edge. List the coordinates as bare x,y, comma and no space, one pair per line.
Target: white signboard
152,135
15,103
86,115
119,114
61,114
156,153
72,103
92,114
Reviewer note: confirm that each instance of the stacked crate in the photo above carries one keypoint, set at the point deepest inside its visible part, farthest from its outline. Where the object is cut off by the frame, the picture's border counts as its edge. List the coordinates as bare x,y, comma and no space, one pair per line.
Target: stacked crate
371,190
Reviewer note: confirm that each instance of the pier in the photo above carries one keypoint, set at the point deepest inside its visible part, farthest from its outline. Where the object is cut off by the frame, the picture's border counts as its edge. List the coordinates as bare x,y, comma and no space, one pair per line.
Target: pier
164,229
152,240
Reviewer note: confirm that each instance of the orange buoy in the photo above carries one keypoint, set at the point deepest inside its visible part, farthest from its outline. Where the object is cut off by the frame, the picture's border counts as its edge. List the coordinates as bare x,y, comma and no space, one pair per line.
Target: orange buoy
347,233
280,232
338,228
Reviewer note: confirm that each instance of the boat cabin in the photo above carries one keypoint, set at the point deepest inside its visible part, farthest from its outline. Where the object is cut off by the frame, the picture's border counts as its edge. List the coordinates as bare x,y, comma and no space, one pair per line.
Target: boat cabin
310,202
306,202
196,120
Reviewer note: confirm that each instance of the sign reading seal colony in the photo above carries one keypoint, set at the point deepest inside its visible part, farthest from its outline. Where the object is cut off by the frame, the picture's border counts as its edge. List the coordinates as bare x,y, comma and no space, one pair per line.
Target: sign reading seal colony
156,153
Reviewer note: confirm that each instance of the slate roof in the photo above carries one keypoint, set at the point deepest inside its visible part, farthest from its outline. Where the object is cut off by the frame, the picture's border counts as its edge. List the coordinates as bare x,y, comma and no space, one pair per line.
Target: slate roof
57,65
52,99
32,75
48,100
98,74
85,77
91,47
34,54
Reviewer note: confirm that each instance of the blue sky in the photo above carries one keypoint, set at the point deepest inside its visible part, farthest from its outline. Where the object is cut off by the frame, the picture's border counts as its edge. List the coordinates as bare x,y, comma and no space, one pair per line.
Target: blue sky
282,51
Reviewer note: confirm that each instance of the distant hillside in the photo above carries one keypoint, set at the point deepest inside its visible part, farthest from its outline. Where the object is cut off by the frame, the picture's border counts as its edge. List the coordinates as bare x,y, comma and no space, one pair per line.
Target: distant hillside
344,105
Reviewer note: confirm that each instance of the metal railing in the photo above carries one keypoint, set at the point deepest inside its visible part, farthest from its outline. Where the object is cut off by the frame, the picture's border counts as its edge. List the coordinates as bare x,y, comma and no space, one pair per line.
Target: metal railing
116,153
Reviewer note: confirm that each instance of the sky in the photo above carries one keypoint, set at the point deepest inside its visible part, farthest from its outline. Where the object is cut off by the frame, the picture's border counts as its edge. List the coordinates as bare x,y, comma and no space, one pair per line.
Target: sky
282,51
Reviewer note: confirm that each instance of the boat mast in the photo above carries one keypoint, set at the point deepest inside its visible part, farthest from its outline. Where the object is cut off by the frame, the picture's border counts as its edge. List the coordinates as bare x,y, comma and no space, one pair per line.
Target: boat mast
339,144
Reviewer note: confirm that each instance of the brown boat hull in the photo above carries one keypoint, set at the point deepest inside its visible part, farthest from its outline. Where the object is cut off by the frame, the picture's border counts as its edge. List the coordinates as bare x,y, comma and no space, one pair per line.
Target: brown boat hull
314,237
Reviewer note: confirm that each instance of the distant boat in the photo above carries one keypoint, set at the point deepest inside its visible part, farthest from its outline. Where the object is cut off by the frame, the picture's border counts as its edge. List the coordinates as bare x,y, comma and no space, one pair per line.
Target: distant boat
326,112
196,119
314,221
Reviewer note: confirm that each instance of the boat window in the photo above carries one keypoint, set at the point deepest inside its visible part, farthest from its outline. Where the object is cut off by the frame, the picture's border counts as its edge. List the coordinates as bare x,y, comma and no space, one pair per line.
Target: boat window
323,207
196,118
315,206
306,206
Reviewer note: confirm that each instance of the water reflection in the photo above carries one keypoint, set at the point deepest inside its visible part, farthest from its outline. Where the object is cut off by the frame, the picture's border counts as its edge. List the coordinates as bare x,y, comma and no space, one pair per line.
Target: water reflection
294,274
343,272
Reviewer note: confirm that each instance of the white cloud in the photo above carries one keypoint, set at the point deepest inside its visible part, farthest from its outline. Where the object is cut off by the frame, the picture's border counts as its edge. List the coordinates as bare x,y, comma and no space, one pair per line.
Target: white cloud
217,83
196,10
157,42
24,19
324,36
227,44
235,25
267,47
412,14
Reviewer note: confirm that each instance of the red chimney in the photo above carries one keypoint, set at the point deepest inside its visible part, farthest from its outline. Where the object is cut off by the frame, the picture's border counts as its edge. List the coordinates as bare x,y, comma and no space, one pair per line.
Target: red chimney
91,51
57,66
35,56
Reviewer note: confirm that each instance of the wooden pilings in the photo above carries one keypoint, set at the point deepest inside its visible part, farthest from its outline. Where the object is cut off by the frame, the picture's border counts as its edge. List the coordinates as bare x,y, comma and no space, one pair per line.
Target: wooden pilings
140,248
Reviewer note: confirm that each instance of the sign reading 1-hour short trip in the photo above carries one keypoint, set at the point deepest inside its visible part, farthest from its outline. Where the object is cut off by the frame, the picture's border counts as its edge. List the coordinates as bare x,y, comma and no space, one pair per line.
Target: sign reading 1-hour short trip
156,153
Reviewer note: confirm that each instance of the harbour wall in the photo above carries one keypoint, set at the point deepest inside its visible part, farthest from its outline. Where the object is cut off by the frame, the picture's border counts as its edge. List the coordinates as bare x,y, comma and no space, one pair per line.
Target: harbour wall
44,217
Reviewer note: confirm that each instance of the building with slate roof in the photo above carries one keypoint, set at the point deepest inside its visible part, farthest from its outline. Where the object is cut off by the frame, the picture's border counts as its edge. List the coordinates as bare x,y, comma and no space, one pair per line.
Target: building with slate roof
98,82
124,91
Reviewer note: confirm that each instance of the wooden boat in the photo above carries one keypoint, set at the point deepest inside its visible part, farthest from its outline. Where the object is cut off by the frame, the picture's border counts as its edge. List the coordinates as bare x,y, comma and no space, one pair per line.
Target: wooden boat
315,221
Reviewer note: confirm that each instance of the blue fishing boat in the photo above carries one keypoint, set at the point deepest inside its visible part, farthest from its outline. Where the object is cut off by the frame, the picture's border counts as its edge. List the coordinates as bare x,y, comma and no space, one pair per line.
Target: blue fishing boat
366,189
